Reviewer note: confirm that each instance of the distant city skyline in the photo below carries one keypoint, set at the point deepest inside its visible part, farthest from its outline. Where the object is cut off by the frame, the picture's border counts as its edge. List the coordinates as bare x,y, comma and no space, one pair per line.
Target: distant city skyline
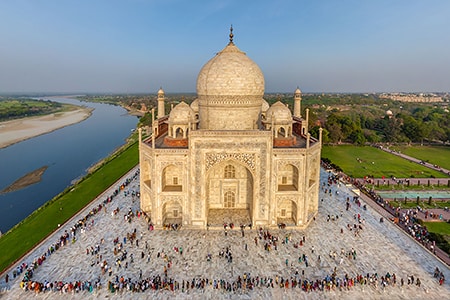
136,46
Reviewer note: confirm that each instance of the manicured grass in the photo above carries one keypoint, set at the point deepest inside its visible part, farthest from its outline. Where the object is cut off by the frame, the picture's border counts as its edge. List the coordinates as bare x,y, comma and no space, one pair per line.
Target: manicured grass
436,155
375,162
438,227
45,220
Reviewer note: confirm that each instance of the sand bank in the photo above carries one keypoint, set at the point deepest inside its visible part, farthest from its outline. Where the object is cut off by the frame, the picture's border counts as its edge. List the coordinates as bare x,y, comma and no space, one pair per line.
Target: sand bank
26,180
18,130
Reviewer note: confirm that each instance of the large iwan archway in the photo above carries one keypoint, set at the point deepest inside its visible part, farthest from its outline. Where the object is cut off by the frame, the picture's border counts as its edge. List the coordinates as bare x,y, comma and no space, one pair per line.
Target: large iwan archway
229,194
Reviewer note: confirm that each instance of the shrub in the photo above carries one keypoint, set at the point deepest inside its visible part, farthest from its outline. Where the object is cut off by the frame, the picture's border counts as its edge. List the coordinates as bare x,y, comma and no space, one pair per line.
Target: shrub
440,240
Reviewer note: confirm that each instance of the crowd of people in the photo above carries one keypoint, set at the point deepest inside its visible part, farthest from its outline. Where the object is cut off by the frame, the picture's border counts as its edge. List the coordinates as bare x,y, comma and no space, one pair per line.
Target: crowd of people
172,282
241,283
69,236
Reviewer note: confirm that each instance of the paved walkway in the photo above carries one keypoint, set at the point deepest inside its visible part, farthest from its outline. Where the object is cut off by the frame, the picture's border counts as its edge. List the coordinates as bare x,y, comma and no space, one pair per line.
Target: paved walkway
389,215
380,248
418,161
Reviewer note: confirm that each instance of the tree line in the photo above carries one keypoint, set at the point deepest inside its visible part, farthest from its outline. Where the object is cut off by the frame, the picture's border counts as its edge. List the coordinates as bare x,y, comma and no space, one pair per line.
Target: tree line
19,108
386,121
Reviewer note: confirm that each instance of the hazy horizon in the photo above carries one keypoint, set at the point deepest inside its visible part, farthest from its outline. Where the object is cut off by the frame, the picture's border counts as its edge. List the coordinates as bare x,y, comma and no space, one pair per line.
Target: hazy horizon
136,46
68,94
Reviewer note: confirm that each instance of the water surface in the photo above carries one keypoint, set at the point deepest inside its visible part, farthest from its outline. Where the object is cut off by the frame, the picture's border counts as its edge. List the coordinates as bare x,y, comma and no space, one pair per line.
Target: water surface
68,153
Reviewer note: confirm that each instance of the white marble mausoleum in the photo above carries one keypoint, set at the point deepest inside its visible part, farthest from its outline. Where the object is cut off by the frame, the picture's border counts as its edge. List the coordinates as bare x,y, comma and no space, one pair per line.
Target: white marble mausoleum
230,157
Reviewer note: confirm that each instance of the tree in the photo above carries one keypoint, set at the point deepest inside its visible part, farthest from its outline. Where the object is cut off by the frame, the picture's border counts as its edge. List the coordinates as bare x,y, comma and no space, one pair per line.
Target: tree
315,133
412,129
357,137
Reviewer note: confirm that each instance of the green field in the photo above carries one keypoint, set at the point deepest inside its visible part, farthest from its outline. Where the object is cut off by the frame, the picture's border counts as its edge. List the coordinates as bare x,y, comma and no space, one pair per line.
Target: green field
358,162
27,234
436,155
438,227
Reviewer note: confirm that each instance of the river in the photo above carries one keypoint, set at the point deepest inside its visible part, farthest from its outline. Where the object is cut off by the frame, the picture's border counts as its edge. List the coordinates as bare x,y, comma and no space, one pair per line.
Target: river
68,153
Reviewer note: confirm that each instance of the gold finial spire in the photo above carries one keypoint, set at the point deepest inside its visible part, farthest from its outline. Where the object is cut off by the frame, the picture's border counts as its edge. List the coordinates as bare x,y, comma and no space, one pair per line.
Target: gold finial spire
231,34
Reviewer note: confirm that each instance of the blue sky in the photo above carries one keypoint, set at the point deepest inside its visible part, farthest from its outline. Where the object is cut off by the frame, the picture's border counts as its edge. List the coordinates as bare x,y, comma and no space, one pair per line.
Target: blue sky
136,46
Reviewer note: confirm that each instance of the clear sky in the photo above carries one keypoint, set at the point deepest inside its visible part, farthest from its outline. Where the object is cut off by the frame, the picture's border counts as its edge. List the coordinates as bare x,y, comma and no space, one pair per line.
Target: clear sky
136,46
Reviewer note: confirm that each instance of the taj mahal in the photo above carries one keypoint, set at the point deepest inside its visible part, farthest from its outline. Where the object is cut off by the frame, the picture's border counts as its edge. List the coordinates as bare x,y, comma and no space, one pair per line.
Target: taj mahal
229,156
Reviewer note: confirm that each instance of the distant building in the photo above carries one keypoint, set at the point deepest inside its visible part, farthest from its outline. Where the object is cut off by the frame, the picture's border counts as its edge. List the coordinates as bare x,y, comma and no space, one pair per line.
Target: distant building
229,157
422,98
389,113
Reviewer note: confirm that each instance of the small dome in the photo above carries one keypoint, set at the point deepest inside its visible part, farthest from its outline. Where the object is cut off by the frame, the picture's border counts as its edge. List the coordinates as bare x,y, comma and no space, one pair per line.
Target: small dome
297,91
265,106
160,91
194,105
181,114
280,114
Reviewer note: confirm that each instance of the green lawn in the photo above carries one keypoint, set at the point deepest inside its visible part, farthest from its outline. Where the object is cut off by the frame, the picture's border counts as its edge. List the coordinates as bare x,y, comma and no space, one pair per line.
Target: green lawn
375,162
45,220
437,155
438,227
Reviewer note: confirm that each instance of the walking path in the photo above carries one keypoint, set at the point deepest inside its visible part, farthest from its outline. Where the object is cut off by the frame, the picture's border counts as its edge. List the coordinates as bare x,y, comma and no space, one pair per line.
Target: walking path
389,214
421,162
238,264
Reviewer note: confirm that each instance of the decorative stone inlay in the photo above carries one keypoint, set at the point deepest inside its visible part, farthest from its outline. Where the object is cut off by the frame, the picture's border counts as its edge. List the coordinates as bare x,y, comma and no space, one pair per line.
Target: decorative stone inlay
171,151
169,198
198,190
283,163
214,158
231,100
168,163
232,133
285,197
313,170
292,151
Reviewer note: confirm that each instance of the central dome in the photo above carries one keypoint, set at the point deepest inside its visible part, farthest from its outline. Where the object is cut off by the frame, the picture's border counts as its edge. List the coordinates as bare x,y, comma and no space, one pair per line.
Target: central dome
230,72
230,89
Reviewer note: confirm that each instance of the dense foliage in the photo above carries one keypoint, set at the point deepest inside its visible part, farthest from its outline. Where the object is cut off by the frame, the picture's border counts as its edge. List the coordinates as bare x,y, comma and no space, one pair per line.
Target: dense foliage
360,119
11,108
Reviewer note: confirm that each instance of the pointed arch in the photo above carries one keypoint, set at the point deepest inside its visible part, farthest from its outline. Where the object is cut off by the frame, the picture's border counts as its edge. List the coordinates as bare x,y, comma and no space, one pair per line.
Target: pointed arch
172,212
287,212
288,177
171,180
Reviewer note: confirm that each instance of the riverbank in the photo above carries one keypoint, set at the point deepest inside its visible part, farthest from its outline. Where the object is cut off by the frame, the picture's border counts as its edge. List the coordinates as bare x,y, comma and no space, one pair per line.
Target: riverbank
46,219
18,130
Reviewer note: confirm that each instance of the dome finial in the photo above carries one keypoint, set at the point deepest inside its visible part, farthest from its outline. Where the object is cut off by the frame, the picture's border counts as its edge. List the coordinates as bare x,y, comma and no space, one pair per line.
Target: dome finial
231,34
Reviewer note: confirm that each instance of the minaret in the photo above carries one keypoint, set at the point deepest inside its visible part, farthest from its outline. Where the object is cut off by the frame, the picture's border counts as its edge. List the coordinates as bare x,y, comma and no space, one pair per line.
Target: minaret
161,112
297,102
